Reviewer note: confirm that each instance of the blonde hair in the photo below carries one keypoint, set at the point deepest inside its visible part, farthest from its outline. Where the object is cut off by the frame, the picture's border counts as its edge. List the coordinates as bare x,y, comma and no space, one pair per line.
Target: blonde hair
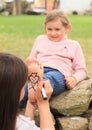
56,14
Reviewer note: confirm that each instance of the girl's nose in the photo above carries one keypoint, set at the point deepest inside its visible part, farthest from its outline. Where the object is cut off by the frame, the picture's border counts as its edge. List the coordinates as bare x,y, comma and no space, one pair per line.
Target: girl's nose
53,33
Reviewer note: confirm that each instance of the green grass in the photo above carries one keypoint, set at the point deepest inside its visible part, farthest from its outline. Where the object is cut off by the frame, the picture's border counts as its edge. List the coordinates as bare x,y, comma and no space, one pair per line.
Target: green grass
17,34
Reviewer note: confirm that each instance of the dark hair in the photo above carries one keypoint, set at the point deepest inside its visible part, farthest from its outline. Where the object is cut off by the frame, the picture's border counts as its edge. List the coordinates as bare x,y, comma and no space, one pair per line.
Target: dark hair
13,76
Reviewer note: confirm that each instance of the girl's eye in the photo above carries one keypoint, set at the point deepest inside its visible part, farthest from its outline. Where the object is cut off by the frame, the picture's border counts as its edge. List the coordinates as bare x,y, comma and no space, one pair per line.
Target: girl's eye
49,29
57,29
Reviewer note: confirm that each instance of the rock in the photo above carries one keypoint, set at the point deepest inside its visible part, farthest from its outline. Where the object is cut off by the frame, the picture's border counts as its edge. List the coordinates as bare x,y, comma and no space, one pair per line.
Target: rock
37,118
73,102
72,123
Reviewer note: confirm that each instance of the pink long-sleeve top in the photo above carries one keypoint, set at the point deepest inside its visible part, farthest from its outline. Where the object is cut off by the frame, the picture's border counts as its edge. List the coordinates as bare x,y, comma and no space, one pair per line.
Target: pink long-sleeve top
65,56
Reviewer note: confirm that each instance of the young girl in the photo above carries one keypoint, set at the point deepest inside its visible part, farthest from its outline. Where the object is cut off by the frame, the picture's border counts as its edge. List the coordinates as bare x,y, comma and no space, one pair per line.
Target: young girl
62,58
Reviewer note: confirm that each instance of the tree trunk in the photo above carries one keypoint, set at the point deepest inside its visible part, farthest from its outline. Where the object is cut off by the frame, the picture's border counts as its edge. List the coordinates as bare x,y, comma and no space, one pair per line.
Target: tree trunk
51,4
16,7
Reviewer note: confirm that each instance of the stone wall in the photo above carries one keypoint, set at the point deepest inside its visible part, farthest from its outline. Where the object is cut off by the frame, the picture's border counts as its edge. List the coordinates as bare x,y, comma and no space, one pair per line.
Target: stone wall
71,110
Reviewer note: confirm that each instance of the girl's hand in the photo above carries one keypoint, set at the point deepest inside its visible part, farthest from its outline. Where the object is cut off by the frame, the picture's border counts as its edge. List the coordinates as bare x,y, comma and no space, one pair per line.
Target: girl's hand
70,82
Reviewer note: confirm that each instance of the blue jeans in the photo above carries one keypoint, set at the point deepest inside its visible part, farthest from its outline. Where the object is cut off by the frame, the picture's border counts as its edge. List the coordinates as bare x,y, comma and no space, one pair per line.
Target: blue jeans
25,98
57,82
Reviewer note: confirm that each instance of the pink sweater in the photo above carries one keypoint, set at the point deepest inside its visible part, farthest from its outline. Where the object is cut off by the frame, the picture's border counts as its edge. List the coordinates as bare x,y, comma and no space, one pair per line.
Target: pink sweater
65,56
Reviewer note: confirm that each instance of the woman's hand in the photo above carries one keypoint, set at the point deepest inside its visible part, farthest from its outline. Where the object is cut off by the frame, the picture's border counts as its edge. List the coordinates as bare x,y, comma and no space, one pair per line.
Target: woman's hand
35,96
46,121
48,90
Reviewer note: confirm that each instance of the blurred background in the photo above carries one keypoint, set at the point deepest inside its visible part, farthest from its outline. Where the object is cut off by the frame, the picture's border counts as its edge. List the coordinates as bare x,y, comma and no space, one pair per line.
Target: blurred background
15,7
21,21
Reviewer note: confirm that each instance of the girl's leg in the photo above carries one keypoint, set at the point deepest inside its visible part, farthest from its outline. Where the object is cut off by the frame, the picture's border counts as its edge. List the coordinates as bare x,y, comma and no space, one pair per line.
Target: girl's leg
35,73
57,80
25,98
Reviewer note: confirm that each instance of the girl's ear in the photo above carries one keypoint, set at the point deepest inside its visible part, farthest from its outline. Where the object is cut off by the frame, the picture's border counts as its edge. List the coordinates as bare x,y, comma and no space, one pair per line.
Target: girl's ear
68,28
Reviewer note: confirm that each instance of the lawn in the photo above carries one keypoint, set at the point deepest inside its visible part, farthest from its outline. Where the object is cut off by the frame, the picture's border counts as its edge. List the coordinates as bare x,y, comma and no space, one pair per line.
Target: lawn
17,34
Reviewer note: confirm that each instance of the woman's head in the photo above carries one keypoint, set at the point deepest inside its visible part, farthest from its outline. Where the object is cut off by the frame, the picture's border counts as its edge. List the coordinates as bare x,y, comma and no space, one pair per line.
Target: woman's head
13,76
57,25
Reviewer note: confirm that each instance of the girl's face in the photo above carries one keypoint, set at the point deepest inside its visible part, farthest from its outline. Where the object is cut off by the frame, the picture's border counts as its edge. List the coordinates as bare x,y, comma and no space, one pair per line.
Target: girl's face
55,30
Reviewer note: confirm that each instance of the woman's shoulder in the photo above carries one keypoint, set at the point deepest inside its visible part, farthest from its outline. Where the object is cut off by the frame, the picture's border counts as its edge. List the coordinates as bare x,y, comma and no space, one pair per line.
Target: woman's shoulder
25,123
